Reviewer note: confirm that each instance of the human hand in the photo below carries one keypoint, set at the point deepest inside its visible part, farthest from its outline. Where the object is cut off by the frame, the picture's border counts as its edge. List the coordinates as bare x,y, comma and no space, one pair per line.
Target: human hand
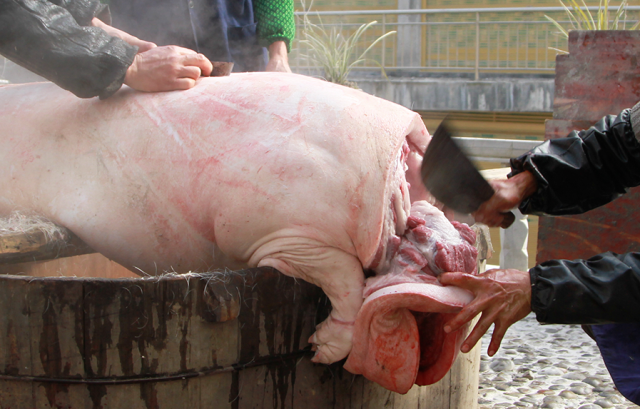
278,57
128,38
167,68
502,296
508,194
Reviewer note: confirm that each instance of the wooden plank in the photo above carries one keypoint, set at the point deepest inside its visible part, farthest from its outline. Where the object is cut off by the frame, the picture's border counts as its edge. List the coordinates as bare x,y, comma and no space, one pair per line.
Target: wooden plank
86,265
17,394
205,319
36,244
210,392
15,358
464,379
15,322
161,327
131,396
55,321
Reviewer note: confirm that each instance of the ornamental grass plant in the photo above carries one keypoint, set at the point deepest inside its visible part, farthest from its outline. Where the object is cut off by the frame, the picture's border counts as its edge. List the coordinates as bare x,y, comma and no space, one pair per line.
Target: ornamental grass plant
335,53
581,18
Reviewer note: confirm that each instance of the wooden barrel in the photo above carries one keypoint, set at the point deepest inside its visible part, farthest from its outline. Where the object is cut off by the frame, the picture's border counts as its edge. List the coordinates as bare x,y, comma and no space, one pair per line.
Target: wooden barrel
228,340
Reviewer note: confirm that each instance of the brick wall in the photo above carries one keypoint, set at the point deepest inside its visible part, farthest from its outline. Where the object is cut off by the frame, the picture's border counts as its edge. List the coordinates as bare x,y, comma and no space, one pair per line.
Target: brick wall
600,76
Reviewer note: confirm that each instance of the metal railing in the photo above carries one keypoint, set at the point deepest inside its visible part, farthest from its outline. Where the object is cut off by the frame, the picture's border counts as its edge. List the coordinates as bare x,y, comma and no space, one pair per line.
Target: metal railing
472,40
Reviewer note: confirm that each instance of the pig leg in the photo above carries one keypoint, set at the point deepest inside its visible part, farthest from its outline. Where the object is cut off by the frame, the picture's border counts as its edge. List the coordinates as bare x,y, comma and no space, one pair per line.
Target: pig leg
340,276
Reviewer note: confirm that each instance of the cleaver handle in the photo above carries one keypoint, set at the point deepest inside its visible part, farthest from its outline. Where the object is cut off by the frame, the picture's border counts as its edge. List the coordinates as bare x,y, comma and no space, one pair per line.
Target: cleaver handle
507,220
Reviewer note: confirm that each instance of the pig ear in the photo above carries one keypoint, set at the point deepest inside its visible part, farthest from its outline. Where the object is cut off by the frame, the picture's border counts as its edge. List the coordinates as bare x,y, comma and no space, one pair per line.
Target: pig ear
389,353
447,345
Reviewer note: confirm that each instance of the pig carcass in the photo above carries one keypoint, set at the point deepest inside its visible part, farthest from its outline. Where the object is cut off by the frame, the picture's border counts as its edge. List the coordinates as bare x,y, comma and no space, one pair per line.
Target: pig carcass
257,169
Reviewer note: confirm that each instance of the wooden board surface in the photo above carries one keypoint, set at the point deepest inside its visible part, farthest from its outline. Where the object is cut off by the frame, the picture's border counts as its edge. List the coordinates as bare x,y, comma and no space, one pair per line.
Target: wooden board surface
33,245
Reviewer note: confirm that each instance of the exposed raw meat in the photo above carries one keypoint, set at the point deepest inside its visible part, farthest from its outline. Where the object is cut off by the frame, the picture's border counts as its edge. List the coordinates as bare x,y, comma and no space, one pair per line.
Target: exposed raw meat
259,169
399,338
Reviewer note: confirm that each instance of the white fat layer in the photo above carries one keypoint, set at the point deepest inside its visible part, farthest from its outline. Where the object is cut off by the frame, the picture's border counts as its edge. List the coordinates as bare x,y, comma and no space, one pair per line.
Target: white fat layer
397,213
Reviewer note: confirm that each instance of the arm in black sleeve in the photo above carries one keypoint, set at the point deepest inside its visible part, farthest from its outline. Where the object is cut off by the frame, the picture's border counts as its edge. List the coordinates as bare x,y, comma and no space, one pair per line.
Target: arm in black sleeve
46,39
603,289
585,170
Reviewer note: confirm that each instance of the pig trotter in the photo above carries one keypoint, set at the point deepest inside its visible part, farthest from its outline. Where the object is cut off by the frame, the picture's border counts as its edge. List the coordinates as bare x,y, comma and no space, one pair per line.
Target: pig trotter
332,340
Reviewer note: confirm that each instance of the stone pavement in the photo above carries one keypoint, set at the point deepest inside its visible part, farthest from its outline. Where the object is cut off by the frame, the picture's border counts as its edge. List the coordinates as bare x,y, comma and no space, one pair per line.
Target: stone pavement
546,366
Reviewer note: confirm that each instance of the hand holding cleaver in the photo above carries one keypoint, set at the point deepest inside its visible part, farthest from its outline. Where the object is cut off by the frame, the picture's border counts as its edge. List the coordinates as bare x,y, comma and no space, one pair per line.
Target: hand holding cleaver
451,177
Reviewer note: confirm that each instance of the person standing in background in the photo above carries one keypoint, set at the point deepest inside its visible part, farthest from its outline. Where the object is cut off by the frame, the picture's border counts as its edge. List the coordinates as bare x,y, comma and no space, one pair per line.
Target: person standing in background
255,35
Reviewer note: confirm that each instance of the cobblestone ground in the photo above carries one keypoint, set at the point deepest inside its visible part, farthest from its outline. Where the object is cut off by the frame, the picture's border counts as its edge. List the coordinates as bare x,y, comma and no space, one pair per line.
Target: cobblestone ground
546,366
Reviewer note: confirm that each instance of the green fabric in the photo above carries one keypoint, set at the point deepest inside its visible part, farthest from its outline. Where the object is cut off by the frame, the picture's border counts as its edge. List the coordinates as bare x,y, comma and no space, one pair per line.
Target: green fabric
275,21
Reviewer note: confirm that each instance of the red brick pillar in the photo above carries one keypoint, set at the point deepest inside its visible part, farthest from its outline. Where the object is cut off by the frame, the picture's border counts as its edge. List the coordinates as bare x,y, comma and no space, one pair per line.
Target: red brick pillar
599,76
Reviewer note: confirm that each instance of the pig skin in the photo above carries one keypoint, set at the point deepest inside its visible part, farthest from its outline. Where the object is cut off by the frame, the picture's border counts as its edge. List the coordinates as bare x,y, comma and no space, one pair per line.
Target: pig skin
256,169
387,344
259,169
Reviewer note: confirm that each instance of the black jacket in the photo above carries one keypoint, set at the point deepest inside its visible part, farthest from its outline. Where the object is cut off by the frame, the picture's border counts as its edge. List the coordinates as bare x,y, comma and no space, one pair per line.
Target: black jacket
575,174
53,39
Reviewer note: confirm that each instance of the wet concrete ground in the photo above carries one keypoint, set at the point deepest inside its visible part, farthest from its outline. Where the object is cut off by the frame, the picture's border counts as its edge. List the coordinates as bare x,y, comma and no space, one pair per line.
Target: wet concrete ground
546,366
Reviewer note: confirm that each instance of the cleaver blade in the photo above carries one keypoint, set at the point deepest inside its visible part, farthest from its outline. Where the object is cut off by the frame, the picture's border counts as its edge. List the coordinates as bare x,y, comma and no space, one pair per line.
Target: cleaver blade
452,178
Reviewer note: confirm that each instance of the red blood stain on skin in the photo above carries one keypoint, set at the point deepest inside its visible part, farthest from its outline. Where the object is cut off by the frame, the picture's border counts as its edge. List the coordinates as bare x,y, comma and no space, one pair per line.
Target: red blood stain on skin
352,224
27,157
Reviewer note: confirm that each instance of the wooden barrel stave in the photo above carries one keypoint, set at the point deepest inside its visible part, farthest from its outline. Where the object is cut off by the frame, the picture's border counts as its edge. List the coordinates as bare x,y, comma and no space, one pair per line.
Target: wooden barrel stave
237,340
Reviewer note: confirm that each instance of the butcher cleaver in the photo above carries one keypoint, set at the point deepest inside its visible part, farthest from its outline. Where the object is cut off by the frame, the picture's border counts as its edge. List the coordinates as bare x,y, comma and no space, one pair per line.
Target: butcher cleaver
451,177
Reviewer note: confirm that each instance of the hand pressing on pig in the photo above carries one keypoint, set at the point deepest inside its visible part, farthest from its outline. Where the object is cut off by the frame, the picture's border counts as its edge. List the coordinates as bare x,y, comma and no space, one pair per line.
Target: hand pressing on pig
167,68
502,296
156,68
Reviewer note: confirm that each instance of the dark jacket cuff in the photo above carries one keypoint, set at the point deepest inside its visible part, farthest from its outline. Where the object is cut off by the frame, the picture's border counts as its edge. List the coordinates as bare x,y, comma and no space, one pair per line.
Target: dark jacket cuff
583,171
603,289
